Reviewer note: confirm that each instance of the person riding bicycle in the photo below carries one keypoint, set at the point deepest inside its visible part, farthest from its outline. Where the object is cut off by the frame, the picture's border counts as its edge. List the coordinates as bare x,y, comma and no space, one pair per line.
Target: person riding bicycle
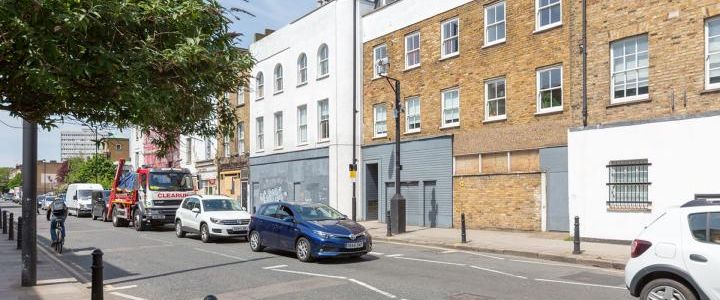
59,212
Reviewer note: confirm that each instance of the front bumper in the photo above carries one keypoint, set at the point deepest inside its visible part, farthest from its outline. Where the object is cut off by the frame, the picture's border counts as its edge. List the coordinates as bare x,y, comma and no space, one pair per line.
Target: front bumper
229,230
159,216
336,247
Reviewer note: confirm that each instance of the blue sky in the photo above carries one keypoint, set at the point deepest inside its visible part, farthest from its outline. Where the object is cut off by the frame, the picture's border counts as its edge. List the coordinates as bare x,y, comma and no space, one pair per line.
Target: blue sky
271,14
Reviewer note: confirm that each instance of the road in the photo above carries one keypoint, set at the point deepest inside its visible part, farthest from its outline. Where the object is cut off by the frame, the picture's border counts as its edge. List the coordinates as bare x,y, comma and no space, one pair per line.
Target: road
158,265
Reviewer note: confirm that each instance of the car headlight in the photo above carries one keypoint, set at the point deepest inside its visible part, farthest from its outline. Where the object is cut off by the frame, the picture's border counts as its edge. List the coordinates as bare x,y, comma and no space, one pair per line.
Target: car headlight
323,234
215,220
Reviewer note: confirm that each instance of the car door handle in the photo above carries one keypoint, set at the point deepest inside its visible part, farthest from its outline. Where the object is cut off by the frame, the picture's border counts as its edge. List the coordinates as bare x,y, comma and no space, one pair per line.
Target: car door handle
698,258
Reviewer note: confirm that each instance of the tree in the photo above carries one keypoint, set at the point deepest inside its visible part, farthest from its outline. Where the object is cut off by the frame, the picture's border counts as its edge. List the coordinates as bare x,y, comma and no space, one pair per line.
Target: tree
97,169
4,179
16,181
62,172
158,65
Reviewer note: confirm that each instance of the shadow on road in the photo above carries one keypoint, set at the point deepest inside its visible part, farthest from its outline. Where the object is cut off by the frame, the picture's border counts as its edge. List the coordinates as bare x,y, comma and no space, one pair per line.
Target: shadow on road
326,261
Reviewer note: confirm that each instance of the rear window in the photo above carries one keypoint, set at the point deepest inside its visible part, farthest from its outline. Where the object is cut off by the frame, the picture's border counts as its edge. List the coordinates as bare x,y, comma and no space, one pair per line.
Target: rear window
705,227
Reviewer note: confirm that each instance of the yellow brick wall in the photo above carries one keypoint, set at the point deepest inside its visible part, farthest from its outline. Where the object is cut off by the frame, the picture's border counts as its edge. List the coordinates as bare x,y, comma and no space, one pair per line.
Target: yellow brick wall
467,165
243,112
506,202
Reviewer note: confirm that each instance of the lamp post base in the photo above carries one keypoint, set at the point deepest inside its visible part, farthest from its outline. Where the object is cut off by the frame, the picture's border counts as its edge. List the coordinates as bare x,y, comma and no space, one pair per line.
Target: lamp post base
397,216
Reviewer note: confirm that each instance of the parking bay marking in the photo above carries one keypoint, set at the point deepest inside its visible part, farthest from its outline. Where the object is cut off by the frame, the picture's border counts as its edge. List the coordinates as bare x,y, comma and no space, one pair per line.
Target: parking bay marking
498,272
462,265
274,267
110,288
221,254
355,281
440,248
580,283
126,296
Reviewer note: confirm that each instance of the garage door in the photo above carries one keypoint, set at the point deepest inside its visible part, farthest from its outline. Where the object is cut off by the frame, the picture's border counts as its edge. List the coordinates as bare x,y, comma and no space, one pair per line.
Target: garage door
415,207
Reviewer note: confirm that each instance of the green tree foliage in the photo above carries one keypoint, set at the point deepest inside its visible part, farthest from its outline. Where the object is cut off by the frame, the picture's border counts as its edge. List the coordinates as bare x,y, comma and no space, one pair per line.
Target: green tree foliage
158,65
15,181
4,179
97,169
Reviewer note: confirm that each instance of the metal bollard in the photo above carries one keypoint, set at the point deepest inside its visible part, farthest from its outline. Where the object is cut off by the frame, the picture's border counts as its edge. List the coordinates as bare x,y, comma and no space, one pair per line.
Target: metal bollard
97,275
4,221
387,219
210,297
1,224
463,236
576,237
11,228
19,234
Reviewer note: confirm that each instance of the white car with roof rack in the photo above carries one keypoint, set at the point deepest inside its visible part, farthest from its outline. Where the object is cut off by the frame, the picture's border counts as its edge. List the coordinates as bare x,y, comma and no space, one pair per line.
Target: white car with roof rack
211,216
677,256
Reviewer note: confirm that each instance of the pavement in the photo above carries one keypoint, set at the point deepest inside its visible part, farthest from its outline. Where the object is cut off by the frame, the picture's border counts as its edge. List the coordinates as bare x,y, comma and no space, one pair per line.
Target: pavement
156,264
554,246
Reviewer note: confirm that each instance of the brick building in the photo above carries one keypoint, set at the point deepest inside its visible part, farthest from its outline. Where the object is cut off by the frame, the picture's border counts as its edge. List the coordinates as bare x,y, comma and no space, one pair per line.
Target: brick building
484,81
232,155
653,113
116,148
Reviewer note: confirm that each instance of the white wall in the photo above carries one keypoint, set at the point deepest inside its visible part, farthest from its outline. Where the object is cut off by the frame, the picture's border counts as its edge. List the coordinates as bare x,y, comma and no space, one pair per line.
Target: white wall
684,158
402,14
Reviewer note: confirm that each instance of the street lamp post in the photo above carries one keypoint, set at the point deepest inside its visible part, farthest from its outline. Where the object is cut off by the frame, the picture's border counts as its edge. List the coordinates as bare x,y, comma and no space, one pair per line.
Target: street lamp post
397,203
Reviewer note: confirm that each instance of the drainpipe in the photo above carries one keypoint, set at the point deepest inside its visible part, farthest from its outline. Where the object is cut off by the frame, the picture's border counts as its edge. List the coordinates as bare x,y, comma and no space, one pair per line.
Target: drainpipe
584,64
354,114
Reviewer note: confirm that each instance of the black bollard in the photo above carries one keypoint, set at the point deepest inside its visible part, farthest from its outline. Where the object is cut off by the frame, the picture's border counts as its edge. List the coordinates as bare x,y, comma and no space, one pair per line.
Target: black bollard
4,221
97,275
1,212
19,234
387,219
463,236
11,228
576,237
210,297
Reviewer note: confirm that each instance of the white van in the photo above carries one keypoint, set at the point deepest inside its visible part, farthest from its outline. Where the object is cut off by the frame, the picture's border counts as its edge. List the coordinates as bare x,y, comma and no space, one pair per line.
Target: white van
78,198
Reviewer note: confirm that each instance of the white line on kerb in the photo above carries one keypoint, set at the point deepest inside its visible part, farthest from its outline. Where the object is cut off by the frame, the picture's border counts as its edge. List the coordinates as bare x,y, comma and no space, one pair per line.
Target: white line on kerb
580,283
432,261
372,288
275,267
498,272
126,296
439,248
109,288
55,281
221,254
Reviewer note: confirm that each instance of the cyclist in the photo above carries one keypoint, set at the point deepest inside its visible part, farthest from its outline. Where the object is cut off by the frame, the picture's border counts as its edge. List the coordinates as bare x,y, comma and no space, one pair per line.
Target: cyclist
59,212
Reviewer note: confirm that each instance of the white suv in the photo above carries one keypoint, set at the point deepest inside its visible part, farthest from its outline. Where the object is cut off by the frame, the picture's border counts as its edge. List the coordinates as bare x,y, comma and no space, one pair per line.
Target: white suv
677,256
211,216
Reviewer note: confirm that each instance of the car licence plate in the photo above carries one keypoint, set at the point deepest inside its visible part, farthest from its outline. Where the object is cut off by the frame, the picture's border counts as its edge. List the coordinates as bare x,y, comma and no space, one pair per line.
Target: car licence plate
240,228
354,245
158,217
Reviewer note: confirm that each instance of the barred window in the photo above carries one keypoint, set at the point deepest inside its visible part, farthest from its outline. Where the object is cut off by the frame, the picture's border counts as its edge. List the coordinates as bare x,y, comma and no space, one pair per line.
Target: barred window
628,184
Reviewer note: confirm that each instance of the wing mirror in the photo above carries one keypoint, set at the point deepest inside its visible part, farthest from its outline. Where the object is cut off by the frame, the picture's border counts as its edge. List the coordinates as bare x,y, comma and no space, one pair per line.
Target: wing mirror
195,210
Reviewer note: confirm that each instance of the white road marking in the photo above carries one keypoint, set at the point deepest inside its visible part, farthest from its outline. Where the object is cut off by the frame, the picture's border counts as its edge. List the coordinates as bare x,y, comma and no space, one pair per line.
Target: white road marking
126,296
439,248
372,288
275,267
394,255
58,280
432,261
109,288
449,251
221,254
310,274
376,253
580,283
498,272
568,265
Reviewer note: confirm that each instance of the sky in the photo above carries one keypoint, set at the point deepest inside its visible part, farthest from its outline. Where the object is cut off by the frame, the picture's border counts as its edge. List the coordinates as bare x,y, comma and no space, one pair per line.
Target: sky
272,14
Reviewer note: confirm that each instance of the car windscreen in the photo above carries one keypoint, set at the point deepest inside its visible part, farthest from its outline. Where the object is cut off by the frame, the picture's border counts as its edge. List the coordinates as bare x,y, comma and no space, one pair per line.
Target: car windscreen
84,194
221,205
318,212
170,181
49,199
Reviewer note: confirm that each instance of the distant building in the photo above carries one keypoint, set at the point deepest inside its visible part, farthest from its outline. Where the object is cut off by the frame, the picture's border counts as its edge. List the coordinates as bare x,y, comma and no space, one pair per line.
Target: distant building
80,143
46,175
116,148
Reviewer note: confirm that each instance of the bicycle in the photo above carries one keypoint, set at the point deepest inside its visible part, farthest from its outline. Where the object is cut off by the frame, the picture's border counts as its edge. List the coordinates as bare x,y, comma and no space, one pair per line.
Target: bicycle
60,238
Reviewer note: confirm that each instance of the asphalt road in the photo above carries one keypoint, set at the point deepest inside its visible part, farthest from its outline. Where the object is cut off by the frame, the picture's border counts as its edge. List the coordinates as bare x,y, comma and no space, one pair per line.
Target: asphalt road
157,265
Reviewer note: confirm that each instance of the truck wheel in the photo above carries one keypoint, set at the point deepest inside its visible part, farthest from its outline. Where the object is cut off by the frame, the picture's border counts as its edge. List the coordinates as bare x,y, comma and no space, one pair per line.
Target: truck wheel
116,220
137,222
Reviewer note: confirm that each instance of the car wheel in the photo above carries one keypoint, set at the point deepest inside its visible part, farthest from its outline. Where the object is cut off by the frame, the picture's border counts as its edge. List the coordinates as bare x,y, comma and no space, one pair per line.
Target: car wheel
205,233
254,239
178,229
666,289
303,250
137,222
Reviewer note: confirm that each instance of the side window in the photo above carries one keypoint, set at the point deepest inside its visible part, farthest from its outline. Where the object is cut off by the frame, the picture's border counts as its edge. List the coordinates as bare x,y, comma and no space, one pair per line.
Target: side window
270,210
715,227
698,226
185,203
284,212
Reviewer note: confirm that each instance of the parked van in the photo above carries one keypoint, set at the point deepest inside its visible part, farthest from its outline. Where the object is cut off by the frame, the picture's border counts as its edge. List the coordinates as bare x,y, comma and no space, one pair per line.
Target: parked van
78,198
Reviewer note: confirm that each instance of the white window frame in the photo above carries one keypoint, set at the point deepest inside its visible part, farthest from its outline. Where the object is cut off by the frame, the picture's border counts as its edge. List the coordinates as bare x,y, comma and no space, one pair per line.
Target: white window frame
613,99
708,85
279,126
302,125
208,149
538,90
487,99
539,27
376,73
377,121
409,51
259,86
408,115
260,134
241,96
241,137
278,78
497,23
443,108
323,60
302,69
444,39
323,118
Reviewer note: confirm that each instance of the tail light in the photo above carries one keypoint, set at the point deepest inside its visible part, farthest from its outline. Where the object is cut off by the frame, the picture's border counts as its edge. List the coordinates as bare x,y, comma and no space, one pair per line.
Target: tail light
639,247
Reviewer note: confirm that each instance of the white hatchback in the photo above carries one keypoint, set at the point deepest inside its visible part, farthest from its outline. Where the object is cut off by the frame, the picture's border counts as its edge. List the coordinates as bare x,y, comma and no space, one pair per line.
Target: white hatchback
677,256
211,216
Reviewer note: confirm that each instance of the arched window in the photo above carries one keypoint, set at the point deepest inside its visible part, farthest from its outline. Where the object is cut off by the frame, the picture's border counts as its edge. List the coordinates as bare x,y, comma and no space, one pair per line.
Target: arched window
302,69
278,78
323,61
259,86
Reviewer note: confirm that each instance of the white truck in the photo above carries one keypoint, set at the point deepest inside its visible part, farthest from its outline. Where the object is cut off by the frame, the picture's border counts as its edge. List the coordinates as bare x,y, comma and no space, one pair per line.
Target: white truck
78,198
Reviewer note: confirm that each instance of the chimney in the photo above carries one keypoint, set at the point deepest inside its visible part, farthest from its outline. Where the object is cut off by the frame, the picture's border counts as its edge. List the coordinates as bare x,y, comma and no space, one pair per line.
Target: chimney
260,36
322,2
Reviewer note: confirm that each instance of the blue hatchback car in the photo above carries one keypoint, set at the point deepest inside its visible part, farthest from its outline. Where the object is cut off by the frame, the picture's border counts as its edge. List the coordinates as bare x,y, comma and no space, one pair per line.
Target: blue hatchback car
311,230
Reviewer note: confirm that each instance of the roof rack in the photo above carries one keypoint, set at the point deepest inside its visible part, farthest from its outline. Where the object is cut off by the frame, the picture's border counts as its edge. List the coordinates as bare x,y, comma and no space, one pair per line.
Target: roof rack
702,202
